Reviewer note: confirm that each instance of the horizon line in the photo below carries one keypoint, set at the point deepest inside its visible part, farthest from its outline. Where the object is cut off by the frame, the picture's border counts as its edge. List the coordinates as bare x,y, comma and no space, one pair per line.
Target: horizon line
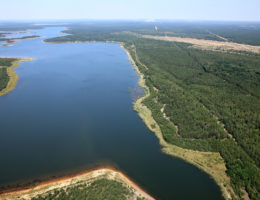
137,20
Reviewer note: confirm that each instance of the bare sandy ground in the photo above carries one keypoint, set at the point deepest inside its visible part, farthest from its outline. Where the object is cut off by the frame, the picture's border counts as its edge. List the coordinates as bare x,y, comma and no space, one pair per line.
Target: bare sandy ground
84,177
209,44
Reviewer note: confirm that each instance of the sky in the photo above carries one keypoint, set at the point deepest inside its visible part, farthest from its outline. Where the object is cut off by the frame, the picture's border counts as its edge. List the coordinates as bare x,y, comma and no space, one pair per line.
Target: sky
228,10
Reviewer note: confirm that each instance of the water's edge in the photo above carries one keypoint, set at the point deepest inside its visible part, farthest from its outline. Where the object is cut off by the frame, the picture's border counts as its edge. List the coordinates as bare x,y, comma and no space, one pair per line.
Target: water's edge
13,77
137,178
141,108
87,175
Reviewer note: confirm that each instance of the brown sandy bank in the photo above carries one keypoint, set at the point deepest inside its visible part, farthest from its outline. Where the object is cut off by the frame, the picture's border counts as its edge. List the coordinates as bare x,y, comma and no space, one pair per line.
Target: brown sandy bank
83,177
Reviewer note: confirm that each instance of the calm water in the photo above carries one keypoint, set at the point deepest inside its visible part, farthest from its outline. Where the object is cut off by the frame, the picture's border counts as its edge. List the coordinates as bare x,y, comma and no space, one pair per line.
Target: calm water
72,109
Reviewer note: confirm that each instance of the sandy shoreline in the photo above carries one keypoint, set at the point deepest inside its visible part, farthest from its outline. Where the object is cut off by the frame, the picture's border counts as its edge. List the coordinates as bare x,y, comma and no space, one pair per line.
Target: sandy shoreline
145,114
209,162
13,77
86,177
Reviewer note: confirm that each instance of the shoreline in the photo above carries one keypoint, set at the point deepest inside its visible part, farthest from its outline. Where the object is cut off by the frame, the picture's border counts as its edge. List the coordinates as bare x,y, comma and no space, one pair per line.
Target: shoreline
87,176
145,114
13,77
205,161
16,40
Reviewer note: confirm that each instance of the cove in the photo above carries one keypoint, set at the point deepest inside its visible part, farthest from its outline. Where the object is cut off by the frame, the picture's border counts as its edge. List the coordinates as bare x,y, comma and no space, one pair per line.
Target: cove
72,110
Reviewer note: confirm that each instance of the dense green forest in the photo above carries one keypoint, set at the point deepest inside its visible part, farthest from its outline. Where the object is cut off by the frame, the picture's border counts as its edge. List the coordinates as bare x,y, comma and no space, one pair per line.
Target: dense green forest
204,91
4,79
213,98
98,190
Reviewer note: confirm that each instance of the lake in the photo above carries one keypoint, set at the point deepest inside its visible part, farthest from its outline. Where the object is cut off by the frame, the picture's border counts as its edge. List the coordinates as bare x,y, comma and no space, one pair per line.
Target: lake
72,110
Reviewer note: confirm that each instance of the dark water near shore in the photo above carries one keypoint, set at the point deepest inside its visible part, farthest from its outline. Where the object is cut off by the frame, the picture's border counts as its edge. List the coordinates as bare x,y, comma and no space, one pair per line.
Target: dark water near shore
72,109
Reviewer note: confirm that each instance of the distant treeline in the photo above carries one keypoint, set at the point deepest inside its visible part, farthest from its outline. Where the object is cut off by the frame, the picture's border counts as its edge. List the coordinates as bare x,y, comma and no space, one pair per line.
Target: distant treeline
243,32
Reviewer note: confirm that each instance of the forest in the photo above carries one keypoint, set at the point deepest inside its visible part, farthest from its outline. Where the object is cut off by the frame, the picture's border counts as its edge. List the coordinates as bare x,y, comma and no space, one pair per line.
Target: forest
211,97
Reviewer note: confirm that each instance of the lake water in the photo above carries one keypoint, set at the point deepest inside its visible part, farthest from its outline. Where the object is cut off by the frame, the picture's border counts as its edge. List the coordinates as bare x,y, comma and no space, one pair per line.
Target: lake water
72,110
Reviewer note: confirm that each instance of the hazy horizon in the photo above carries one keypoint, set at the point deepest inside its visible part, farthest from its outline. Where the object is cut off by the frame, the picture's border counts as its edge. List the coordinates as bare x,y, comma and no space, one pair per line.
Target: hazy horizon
125,20
170,10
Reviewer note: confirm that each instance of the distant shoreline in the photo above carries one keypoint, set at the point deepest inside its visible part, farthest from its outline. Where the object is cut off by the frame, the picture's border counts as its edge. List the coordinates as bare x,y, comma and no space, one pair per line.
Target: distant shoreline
15,40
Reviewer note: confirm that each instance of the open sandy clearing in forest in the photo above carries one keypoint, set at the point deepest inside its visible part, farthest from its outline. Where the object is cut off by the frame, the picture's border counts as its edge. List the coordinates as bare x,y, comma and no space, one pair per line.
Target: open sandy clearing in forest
208,44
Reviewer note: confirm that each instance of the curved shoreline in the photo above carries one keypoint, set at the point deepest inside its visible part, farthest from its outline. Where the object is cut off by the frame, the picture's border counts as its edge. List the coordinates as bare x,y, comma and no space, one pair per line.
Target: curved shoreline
13,77
86,176
209,162
146,115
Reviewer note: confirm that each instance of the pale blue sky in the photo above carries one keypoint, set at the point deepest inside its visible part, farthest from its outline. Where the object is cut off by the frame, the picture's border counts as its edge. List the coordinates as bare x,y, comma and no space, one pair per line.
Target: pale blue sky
245,10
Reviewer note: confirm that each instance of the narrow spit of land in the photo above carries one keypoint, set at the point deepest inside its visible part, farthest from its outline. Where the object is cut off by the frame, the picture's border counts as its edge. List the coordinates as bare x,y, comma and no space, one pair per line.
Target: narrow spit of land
11,41
82,181
10,73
